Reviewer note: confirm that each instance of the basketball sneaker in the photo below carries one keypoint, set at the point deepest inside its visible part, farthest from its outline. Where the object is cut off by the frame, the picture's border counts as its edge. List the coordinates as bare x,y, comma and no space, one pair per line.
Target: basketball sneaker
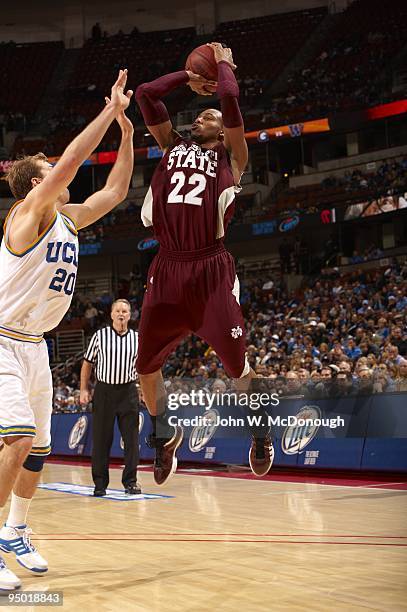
261,455
8,580
17,540
165,463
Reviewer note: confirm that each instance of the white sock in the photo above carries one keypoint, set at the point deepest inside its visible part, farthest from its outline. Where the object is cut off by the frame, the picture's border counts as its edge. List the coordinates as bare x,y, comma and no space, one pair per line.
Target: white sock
18,511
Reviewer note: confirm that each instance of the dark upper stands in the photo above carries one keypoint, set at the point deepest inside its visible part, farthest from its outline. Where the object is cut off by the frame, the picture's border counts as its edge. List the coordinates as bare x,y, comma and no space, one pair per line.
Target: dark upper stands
348,70
264,45
25,72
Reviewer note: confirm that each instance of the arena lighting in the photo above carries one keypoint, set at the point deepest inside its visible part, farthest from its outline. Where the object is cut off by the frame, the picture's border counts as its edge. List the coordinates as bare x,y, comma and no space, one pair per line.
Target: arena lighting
385,110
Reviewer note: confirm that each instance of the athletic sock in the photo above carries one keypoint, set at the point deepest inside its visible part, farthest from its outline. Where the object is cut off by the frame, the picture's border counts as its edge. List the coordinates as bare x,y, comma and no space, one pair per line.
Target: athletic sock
17,516
161,427
258,424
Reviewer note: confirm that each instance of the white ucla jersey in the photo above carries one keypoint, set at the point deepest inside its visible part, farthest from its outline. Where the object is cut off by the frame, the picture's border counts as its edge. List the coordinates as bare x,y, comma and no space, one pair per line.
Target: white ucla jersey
36,285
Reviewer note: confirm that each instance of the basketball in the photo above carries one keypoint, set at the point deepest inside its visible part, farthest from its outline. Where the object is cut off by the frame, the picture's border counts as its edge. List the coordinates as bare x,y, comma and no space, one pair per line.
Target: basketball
202,61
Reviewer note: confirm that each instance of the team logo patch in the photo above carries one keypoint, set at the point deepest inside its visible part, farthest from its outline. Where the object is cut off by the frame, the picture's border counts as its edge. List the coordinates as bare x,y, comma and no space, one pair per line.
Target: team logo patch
201,434
77,432
297,437
236,332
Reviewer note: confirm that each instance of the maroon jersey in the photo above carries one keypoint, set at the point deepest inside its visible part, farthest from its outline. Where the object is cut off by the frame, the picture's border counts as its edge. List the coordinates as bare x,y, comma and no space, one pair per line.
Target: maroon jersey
191,197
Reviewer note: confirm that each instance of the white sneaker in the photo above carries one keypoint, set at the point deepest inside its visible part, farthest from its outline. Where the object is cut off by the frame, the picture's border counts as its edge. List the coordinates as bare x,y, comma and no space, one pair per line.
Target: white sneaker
8,580
17,540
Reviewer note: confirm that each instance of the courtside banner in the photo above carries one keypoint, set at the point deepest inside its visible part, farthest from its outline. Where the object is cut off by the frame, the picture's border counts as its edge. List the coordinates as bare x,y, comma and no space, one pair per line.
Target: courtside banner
362,432
71,434
386,442
329,433
216,435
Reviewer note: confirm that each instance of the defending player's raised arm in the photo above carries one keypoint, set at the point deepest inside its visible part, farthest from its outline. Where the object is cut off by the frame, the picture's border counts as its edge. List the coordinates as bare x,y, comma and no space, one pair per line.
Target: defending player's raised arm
153,109
228,92
45,194
117,184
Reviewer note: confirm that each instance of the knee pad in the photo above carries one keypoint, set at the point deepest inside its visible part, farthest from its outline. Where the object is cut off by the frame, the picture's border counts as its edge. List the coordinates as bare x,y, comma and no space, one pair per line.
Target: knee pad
34,463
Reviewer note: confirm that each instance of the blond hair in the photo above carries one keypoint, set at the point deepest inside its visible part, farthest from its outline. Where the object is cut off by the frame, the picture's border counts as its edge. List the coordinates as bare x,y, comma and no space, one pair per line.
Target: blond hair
21,172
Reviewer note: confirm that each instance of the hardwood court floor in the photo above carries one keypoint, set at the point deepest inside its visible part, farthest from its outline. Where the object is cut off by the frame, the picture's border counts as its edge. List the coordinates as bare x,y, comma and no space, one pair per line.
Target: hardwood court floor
223,544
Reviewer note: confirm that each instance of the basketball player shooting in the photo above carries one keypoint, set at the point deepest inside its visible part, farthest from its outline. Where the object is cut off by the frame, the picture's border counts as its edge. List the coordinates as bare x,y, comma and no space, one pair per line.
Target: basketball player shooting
192,285
38,267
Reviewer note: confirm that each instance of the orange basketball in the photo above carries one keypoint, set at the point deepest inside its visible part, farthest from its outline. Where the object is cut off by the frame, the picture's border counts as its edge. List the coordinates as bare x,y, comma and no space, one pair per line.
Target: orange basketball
202,61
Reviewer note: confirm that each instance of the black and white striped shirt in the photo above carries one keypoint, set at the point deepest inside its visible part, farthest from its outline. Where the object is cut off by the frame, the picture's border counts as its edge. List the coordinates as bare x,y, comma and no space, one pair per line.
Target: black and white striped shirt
114,355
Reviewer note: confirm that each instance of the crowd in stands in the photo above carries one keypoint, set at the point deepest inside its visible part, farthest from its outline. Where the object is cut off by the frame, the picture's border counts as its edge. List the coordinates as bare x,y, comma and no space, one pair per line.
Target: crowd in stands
388,178
340,336
355,189
348,70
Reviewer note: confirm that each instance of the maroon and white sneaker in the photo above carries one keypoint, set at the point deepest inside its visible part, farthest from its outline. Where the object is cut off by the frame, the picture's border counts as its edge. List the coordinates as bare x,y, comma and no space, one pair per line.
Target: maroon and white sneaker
261,455
165,463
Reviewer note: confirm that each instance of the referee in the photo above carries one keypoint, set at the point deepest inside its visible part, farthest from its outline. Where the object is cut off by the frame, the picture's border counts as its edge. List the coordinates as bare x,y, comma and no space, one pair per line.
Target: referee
113,350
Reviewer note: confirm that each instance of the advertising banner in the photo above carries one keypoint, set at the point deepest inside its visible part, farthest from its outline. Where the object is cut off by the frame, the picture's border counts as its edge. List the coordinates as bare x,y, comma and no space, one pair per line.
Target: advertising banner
363,432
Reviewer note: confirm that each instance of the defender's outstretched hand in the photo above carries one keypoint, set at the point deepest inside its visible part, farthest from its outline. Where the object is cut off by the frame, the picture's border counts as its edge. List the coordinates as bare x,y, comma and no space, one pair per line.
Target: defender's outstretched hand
200,85
118,98
222,54
122,119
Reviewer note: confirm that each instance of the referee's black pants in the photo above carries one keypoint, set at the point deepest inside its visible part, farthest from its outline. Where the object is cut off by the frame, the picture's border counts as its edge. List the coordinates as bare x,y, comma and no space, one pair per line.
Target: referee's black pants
109,402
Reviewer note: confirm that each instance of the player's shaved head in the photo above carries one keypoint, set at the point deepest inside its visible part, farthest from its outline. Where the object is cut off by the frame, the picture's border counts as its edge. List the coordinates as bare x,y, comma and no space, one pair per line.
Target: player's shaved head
215,112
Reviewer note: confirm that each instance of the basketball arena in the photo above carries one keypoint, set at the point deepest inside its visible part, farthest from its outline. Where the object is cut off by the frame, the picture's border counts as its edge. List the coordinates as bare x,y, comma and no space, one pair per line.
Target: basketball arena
203,305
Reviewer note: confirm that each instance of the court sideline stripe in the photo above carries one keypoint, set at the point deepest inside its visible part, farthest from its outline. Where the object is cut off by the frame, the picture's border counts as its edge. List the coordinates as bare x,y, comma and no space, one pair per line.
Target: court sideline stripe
225,541
270,535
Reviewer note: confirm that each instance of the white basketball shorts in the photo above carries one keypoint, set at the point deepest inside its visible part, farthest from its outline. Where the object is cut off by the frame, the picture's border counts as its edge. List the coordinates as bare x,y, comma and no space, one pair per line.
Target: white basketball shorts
26,392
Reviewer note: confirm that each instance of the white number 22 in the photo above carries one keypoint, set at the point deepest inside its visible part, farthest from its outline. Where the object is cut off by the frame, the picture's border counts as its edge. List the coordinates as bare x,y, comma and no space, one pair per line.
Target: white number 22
199,180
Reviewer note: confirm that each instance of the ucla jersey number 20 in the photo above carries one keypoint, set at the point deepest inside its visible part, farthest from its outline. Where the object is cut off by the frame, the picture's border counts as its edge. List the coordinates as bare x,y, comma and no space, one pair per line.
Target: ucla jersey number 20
36,285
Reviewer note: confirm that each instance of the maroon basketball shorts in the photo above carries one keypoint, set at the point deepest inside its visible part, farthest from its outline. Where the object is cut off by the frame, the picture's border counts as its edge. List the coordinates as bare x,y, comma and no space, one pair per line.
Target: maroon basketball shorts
192,292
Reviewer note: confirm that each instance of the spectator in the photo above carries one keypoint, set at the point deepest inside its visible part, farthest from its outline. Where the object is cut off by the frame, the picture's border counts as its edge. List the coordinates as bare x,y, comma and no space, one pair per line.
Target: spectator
365,381
401,378
293,384
91,314
352,351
